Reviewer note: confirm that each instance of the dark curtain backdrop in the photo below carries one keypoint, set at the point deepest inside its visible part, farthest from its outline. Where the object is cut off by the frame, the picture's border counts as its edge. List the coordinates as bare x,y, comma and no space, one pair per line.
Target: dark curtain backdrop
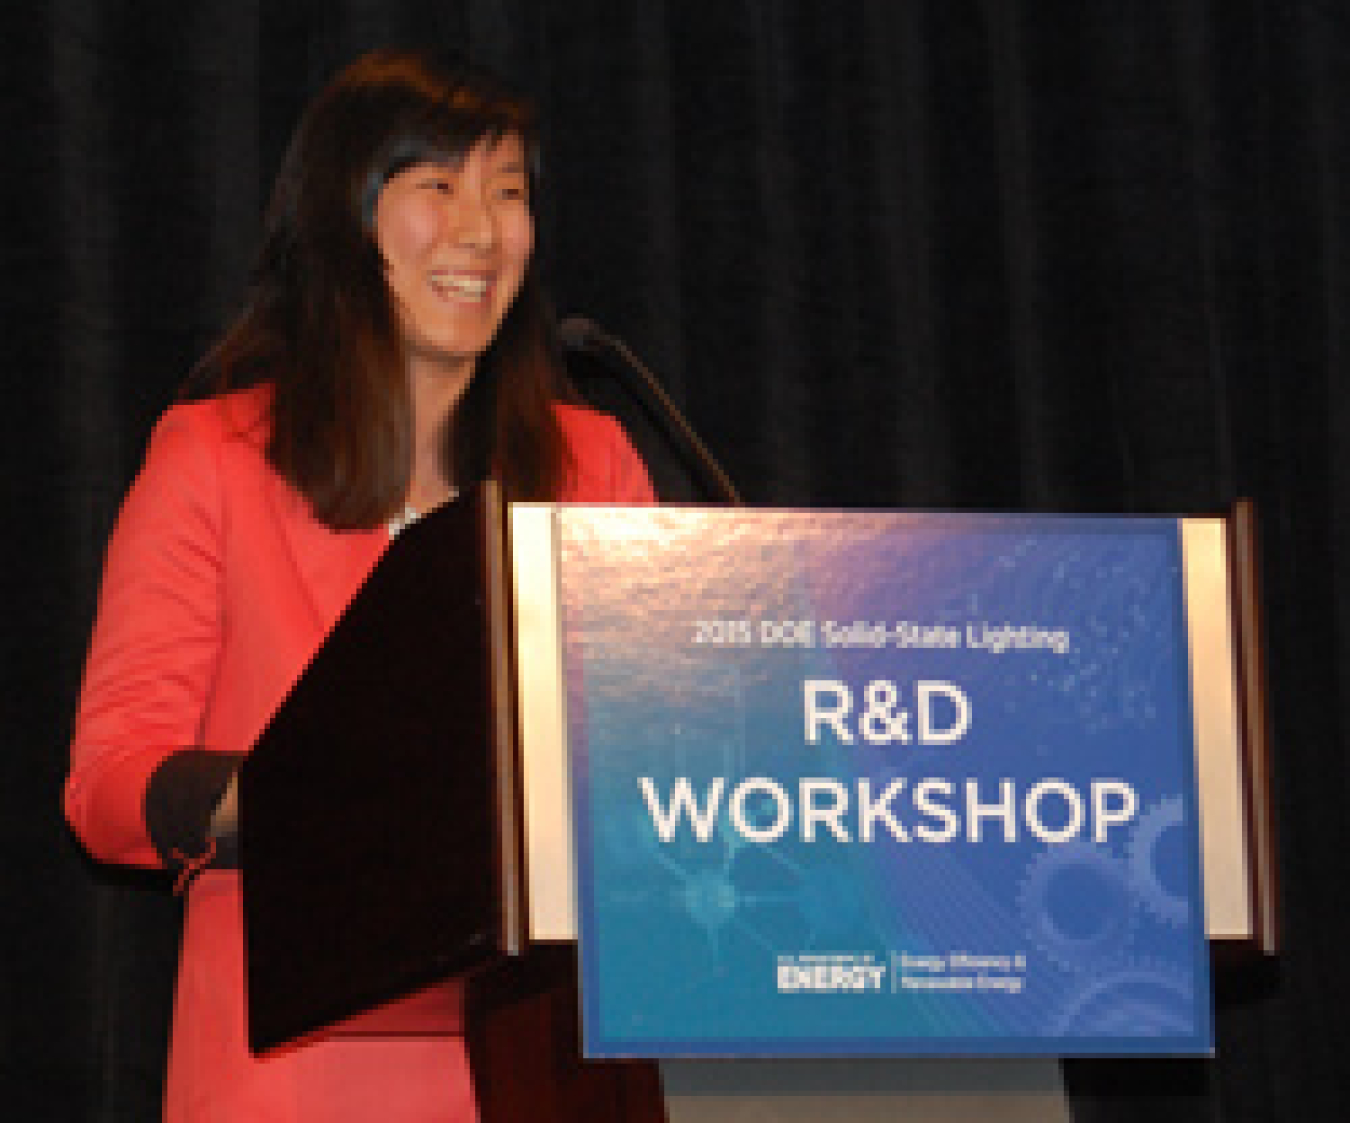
941,253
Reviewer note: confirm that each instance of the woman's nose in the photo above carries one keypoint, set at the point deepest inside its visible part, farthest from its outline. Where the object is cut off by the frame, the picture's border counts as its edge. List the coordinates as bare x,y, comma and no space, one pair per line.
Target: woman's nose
473,222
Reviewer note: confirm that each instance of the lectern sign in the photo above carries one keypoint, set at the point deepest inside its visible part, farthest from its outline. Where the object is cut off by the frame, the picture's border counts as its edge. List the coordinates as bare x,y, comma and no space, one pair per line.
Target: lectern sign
881,784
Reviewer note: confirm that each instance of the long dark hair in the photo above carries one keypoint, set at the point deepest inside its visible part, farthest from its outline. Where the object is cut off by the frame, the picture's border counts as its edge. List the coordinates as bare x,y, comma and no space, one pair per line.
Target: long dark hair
319,325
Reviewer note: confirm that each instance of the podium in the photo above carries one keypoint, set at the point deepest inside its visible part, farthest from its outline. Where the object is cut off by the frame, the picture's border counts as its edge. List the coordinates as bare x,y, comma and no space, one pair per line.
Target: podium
406,841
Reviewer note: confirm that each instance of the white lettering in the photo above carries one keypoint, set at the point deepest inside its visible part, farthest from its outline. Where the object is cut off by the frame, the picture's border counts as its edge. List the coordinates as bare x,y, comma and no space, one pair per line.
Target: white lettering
929,734
870,811
925,806
782,804
817,714
835,807
1070,796
682,803
1103,816
1005,809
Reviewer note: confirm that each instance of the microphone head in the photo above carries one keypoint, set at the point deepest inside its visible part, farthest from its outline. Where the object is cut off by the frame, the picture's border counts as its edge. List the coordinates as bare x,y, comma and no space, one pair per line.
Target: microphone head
580,334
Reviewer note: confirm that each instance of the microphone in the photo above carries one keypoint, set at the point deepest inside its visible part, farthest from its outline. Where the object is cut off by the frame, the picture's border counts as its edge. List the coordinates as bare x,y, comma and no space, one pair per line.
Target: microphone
585,336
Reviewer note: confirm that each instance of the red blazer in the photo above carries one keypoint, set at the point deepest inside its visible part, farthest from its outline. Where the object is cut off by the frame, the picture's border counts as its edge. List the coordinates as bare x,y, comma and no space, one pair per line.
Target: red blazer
218,587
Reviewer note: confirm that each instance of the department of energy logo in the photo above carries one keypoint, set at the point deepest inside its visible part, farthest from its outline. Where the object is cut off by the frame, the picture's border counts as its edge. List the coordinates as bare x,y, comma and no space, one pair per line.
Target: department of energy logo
830,973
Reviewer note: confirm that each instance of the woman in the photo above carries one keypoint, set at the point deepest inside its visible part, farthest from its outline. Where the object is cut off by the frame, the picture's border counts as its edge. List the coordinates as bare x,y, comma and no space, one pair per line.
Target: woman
394,346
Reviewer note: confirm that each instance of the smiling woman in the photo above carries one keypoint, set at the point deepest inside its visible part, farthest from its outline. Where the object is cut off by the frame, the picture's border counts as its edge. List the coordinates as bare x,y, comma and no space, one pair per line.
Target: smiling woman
394,346
405,178
456,239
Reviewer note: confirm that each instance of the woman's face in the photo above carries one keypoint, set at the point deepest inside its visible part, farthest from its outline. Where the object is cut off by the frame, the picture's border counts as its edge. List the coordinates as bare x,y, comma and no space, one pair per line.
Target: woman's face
456,241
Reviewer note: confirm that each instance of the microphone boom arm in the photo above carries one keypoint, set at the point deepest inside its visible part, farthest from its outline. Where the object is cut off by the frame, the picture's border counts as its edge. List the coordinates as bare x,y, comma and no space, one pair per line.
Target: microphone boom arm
581,334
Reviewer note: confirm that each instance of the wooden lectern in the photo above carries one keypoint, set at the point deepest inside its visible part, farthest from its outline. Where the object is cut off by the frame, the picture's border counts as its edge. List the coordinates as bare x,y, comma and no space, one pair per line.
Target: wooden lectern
393,885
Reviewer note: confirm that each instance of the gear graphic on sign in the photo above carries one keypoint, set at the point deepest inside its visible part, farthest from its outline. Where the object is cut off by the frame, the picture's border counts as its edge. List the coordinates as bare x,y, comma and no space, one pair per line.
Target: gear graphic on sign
1146,998
1153,824
1077,905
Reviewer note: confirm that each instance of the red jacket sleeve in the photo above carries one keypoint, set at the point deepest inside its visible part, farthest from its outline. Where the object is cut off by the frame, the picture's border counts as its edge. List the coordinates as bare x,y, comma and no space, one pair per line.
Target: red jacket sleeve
156,638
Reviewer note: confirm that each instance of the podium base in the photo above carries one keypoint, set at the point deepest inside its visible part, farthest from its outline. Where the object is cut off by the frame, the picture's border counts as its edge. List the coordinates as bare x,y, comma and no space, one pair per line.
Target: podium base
865,1091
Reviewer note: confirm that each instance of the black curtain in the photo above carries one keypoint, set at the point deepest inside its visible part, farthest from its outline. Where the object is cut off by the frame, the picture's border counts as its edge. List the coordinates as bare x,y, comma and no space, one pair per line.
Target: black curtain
996,254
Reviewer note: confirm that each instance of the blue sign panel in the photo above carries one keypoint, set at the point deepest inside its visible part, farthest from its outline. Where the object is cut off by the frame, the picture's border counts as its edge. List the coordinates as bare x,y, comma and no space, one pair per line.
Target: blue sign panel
878,784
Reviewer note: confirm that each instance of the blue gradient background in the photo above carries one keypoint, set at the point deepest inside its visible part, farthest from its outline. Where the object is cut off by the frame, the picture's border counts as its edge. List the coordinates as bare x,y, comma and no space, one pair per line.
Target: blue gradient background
680,941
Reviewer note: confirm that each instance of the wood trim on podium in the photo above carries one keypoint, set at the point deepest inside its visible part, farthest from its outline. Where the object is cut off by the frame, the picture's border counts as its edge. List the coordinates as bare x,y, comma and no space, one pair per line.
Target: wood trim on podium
1249,641
523,1034
508,786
